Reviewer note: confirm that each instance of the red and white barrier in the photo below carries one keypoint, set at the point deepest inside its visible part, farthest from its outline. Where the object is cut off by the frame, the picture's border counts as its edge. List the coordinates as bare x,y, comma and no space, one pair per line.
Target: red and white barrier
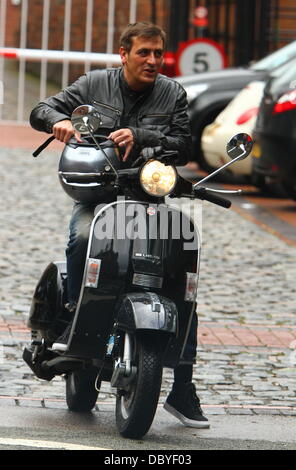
59,56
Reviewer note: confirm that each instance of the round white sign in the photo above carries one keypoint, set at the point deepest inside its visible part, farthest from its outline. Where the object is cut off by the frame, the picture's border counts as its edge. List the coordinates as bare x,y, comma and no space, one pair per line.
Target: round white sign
200,56
201,12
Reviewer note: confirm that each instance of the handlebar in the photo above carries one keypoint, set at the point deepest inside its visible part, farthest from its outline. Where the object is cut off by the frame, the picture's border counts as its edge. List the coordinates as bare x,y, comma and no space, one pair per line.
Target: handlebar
203,194
158,153
43,146
73,142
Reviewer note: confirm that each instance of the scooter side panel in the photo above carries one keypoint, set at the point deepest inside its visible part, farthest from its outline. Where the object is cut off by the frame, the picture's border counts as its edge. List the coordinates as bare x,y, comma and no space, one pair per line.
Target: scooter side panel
47,299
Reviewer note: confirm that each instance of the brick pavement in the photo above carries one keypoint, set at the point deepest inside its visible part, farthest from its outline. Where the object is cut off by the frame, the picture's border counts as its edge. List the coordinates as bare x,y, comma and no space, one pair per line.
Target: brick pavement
14,332
209,334
247,335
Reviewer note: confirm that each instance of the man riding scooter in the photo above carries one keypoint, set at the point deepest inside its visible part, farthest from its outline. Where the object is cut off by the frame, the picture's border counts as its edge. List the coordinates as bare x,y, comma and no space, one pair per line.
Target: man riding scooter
138,108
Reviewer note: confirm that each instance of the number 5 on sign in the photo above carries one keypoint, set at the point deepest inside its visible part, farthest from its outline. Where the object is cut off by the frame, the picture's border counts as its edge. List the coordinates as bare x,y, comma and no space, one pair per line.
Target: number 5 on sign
200,62
198,56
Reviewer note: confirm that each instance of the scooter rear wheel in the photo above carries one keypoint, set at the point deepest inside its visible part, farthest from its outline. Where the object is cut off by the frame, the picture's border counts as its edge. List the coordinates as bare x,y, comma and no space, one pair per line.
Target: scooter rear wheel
136,406
81,394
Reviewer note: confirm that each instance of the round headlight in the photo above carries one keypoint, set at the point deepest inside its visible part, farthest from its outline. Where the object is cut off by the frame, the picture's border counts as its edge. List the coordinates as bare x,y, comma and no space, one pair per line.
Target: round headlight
158,179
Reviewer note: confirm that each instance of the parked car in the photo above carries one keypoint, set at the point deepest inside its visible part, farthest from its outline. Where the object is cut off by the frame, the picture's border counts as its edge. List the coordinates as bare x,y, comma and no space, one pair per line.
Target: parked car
209,93
238,116
274,157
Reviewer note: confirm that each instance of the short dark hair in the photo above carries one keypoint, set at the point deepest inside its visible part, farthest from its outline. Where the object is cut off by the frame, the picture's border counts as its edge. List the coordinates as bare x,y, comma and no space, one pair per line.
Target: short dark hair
140,29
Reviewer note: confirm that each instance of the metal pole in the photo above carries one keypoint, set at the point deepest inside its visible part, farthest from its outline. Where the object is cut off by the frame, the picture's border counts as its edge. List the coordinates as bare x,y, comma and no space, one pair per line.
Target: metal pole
2,43
66,47
110,31
153,11
22,64
184,20
133,11
44,45
88,31
178,23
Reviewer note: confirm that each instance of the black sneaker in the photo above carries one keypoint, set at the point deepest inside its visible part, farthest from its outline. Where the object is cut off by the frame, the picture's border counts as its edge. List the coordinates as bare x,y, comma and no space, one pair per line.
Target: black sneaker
61,343
184,405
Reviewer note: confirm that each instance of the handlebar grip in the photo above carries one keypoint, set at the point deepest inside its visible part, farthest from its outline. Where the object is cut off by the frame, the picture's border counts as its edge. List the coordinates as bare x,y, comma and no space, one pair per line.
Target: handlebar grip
220,201
43,146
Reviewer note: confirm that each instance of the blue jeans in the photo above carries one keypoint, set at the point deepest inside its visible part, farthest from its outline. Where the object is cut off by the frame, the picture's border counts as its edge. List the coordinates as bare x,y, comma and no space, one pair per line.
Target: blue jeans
82,217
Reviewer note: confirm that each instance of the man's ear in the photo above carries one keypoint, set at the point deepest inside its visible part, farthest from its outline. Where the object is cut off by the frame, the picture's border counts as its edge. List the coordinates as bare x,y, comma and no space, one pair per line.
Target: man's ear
123,54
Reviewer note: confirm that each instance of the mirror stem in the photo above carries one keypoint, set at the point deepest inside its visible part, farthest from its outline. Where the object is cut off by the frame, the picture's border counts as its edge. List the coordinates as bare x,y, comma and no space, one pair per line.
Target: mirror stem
85,120
219,169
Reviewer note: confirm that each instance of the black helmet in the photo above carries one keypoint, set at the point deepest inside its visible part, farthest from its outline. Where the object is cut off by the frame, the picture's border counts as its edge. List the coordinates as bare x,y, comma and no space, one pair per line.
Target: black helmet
78,168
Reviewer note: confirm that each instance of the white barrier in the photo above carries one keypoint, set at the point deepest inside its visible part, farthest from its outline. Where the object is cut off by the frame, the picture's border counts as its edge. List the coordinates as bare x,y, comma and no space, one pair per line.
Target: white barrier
65,56
59,56
45,56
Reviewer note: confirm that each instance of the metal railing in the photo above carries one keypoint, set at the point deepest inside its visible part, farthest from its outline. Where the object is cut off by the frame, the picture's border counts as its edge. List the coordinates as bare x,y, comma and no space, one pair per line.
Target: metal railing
43,55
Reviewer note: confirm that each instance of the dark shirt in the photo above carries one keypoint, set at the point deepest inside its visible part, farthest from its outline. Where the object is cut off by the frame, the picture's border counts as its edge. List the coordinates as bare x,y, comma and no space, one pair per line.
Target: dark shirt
131,99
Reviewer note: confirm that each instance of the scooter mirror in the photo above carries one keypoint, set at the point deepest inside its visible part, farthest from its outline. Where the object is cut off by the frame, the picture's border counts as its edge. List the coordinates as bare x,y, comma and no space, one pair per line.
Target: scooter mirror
239,146
85,117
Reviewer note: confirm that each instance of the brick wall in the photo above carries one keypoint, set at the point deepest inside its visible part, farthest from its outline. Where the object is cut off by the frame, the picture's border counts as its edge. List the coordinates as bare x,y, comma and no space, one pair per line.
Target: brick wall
78,20
12,25
287,21
285,26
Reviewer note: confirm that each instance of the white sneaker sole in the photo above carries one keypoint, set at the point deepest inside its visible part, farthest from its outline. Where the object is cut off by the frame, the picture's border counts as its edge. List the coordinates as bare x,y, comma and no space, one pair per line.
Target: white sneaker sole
186,421
59,347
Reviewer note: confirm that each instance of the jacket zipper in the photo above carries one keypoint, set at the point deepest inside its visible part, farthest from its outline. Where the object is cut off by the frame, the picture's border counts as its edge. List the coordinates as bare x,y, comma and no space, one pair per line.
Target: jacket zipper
154,115
108,107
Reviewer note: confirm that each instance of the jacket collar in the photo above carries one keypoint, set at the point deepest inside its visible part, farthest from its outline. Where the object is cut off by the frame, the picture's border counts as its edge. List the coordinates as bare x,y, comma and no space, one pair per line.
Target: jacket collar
128,91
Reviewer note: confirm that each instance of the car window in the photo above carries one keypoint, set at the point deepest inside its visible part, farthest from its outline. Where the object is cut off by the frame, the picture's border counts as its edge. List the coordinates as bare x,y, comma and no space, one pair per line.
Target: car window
285,76
277,58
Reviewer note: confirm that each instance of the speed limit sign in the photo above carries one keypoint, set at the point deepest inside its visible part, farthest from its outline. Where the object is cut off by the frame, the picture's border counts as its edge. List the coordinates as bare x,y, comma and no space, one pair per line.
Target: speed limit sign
198,56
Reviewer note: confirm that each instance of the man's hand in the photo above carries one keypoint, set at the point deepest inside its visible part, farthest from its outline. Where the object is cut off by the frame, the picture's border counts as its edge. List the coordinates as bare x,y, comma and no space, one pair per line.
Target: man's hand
123,137
63,131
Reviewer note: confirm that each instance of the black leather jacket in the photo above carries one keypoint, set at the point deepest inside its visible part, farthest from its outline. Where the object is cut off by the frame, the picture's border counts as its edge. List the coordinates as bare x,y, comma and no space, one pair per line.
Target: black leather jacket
161,119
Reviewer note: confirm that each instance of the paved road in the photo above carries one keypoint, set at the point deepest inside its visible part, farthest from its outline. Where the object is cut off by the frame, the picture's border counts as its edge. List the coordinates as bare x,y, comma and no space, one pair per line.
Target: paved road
54,427
247,334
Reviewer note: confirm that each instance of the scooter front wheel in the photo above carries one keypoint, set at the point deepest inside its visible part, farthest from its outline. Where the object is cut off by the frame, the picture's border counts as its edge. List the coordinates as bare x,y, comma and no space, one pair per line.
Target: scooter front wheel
81,393
136,405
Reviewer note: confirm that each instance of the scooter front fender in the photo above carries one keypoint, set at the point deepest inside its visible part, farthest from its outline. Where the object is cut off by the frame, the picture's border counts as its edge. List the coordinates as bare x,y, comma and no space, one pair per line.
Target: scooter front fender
147,311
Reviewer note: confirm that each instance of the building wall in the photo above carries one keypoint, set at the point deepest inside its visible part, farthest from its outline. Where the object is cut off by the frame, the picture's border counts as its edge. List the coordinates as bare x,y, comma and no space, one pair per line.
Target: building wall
78,17
12,25
78,24
286,23
283,30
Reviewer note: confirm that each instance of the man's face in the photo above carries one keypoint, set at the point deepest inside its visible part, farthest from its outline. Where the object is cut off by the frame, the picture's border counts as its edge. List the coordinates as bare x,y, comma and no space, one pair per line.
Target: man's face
142,63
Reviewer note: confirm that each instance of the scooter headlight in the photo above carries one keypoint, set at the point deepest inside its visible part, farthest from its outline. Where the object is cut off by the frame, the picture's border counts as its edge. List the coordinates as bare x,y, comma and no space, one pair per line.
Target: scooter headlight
158,179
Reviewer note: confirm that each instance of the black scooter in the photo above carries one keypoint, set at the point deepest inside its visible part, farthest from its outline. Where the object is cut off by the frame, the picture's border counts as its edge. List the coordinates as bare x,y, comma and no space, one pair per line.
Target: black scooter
138,294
